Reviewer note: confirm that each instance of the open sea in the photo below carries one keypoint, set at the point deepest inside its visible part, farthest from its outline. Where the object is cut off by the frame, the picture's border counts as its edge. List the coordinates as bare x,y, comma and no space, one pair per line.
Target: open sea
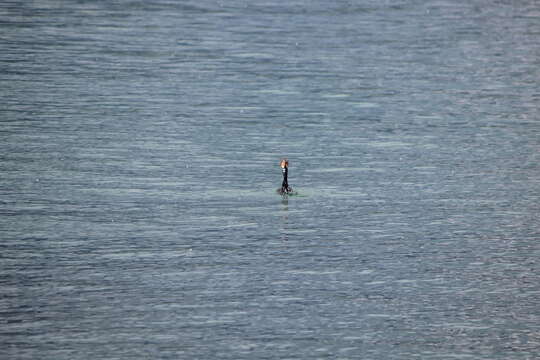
139,161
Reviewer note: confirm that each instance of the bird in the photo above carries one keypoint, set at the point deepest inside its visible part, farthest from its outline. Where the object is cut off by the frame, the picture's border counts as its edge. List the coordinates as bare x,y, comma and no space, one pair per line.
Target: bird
285,188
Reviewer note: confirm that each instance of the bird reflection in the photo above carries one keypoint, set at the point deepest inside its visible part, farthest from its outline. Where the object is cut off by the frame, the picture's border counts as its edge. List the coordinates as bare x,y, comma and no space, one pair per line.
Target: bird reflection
284,218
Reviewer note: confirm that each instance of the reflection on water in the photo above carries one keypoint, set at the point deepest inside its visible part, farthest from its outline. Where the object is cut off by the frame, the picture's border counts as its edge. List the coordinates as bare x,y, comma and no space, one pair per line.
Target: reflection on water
139,143
285,217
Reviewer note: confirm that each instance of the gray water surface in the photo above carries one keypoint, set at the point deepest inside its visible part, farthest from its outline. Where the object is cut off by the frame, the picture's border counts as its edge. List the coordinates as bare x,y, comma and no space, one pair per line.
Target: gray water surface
140,143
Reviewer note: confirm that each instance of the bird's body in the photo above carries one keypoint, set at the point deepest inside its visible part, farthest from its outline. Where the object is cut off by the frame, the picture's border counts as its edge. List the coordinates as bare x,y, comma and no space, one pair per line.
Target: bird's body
285,188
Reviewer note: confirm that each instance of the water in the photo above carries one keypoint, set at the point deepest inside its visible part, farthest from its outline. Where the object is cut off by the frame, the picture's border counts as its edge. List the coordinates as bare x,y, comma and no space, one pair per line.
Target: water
140,144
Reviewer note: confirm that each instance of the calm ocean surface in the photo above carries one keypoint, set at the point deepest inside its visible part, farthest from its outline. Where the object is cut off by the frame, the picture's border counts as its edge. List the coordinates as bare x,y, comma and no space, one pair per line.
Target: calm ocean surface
139,151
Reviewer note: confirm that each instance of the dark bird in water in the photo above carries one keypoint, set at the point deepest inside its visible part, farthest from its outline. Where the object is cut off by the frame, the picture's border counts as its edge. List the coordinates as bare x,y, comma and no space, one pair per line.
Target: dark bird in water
285,188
